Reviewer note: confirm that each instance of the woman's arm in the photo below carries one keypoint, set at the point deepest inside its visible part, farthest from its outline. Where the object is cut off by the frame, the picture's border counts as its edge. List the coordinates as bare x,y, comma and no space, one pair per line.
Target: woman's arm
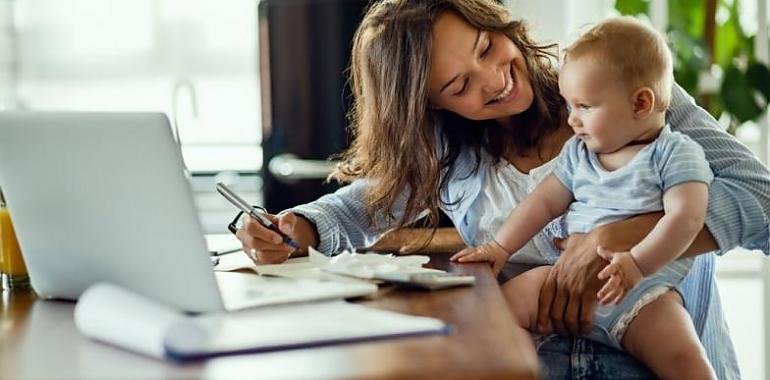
445,240
331,223
623,235
340,219
739,196
568,296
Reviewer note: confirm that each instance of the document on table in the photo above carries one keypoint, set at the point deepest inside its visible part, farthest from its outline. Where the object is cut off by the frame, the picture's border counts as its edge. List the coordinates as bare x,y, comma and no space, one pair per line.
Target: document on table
117,316
220,243
350,267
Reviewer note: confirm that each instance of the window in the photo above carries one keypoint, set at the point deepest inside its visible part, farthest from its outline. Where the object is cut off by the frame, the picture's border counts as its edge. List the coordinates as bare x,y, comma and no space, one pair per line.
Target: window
196,60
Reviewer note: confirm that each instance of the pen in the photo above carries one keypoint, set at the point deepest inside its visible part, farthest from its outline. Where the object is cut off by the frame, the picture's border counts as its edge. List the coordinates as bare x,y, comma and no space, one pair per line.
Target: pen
255,213
225,252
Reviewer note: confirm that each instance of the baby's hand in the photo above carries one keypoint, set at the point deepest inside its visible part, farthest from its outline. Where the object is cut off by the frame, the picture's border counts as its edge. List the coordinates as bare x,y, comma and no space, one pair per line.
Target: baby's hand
490,252
623,274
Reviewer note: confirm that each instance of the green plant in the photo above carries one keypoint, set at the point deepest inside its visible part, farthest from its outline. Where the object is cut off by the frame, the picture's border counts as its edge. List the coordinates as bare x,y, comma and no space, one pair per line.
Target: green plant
707,37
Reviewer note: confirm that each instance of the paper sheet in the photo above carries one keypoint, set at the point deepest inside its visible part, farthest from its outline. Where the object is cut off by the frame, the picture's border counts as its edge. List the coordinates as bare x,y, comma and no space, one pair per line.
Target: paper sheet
366,265
251,291
298,268
222,242
345,267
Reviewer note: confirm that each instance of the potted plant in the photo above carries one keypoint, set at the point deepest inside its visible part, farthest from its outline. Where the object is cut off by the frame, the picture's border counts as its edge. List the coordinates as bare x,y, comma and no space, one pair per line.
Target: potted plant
714,58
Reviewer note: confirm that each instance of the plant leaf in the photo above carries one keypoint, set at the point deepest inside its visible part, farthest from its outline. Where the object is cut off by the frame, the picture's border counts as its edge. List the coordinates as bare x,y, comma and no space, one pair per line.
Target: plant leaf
686,16
632,7
738,96
758,76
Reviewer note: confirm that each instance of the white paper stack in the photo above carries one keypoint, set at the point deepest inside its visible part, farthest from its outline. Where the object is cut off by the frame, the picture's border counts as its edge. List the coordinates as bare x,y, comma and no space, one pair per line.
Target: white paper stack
344,267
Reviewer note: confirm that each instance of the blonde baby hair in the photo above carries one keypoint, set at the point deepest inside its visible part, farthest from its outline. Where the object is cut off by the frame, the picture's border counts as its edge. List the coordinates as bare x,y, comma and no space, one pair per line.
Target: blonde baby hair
634,52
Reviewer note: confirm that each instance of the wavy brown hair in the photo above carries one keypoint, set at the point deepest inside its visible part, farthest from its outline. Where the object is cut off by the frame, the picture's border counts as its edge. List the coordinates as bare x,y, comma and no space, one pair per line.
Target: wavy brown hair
400,144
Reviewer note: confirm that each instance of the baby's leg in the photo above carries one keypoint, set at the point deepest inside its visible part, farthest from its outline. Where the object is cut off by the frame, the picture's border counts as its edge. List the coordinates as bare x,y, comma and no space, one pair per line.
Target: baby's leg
663,337
522,293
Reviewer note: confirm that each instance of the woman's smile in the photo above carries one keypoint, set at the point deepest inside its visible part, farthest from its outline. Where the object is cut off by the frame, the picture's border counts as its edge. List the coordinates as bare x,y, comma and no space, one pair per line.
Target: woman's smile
510,90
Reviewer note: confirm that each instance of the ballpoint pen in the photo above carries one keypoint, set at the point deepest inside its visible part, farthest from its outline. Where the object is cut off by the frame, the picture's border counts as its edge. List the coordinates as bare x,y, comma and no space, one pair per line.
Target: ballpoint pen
255,213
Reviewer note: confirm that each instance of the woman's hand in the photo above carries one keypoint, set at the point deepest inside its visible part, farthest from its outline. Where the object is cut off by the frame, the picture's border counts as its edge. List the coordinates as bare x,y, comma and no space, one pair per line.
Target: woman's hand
490,252
264,246
568,296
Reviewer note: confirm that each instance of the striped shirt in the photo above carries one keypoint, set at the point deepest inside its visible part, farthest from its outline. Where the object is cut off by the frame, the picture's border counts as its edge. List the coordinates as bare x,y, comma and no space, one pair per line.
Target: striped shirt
738,210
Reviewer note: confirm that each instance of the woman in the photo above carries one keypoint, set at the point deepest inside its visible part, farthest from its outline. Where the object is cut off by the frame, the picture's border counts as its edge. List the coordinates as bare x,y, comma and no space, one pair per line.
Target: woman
457,109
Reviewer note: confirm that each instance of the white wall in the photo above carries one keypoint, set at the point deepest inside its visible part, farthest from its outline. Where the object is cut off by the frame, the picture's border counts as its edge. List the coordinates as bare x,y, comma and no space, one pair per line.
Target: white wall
558,20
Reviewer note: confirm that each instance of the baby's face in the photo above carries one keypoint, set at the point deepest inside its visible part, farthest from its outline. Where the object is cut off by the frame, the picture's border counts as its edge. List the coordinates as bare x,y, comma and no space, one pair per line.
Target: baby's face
601,109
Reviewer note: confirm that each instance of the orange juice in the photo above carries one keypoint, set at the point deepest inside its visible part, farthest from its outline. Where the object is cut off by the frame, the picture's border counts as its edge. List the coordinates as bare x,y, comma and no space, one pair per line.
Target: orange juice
11,262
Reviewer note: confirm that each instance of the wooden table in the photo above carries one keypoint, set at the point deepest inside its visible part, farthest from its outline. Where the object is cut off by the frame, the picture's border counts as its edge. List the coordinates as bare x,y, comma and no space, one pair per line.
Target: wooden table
39,341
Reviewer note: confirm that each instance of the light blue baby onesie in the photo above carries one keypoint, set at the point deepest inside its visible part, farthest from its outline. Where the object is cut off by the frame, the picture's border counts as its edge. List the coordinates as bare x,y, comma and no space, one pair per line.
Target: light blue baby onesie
603,196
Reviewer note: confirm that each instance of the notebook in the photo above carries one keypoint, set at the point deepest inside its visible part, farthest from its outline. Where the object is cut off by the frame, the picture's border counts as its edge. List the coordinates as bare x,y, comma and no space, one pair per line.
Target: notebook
128,320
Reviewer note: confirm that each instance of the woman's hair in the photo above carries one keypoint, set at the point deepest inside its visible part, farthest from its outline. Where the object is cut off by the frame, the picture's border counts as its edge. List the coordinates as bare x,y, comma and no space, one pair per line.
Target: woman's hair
634,53
401,145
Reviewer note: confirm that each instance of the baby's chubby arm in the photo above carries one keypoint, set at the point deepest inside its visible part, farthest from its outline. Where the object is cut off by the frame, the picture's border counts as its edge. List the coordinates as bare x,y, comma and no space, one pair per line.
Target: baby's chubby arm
549,200
684,207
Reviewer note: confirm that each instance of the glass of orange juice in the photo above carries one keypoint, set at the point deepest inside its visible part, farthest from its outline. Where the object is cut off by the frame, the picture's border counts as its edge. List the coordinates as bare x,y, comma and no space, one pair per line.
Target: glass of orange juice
12,267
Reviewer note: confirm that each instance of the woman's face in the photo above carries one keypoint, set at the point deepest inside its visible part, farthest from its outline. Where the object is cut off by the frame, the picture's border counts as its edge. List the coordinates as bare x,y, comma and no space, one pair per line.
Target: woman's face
477,74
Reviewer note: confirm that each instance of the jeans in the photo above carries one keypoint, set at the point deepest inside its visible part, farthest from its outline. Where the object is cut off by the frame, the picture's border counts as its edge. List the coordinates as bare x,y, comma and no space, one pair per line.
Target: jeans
566,358
580,358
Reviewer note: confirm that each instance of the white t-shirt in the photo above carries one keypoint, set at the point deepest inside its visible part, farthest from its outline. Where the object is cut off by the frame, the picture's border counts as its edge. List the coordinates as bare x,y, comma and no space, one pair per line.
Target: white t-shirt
504,188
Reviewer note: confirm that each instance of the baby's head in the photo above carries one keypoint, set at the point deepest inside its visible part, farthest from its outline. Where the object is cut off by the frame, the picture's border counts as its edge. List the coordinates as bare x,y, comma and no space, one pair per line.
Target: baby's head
618,72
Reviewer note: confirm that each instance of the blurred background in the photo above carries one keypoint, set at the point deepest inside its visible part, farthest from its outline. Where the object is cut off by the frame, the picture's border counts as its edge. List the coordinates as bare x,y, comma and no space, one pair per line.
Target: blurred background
256,91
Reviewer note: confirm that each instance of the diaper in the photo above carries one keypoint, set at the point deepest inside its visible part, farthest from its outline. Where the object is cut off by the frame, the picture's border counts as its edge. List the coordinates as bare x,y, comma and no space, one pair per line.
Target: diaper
611,321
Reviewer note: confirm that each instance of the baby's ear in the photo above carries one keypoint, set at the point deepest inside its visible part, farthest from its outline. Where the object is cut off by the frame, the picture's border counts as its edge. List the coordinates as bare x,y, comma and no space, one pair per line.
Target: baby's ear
644,102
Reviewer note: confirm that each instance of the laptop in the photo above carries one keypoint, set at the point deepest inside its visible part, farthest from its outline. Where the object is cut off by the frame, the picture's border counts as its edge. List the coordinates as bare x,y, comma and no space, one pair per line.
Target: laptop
102,197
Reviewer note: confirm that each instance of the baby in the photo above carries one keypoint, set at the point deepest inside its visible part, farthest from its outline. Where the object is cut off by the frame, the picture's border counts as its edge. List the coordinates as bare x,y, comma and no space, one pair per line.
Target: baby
623,161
